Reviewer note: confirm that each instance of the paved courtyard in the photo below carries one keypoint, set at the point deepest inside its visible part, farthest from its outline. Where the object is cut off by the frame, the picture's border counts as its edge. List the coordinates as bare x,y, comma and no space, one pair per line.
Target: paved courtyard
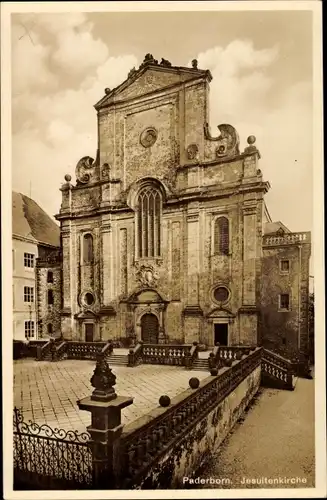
47,392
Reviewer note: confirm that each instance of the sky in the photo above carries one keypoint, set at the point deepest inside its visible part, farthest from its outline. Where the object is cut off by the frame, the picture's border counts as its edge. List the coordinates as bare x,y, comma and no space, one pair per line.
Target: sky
261,63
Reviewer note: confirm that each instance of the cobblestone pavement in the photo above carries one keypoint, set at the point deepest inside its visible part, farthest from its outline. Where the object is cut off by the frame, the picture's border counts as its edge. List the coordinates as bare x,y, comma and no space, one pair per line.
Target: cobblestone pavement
275,440
47,392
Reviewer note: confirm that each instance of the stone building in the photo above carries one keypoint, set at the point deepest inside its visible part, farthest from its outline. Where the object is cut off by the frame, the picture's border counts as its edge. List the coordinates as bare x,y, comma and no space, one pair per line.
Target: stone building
35,237
162,232
285,290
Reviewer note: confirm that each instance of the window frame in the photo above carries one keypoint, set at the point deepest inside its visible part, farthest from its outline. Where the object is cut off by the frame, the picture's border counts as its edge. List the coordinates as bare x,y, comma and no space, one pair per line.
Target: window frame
29,328
216,235
29,257
284,309
152,220
50,294
87,262
28,294
281,270
50,274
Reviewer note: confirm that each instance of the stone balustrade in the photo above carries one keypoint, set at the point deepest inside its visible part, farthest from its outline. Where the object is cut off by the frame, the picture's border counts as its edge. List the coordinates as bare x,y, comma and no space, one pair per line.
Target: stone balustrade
163,354
147,438
287,239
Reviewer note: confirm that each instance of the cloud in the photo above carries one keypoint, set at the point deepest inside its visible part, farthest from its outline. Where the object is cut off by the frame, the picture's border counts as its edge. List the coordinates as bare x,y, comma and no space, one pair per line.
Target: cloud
241,94
55,125
29,61
78,51
55,122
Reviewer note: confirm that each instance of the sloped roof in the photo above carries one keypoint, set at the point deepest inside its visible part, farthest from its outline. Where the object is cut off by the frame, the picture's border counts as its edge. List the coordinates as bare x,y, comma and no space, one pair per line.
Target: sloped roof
29,220
273,227
174,75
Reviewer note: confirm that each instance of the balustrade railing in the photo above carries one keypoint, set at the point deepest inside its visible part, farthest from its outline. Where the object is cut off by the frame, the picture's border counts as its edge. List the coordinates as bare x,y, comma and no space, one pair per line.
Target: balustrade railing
287,239
192,355
107,350
61,350
147,438
135,355
84,350
277,367
43,351
225,355
166,354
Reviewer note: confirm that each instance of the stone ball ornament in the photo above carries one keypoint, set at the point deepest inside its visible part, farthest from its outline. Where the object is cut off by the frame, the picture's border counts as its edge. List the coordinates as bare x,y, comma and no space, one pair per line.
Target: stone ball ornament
194,382
68,178
214,372
251,139
164,401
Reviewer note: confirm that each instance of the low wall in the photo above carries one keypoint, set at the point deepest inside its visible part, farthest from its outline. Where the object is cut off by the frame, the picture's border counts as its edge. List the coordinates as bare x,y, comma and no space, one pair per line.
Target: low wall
197,447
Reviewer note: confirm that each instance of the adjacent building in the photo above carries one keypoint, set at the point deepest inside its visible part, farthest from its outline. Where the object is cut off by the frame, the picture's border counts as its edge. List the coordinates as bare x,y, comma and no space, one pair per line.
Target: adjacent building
165,234
35,236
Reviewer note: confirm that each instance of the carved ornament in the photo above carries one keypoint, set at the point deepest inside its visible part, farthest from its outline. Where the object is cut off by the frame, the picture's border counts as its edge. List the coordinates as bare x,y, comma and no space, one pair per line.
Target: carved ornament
227,143
147,276
148,137
84,170
192,151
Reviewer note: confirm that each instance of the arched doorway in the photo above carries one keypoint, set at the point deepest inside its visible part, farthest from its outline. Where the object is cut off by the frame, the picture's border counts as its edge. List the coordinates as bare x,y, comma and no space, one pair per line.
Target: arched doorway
149,328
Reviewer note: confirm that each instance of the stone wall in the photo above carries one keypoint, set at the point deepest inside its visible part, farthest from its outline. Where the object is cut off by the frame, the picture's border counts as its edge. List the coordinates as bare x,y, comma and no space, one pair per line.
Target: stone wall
48,314
285,332
203,440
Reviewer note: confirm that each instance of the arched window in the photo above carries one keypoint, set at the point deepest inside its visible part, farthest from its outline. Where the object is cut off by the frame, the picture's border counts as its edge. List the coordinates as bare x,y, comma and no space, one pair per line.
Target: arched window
50,297
88,249
50,329
148,222
50,277
221,236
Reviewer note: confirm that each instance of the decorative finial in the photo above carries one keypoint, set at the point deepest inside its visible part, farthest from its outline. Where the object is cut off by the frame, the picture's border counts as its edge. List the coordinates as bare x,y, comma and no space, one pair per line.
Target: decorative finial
68,178
195,64
107,91
251,148
103,380
165,63
131,72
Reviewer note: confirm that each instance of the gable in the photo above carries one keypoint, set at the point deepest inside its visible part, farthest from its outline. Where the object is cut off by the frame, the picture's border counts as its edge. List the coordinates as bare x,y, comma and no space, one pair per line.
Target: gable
150,79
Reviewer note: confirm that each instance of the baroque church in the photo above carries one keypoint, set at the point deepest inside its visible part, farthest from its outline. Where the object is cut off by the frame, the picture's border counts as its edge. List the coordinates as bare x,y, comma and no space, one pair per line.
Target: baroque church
163,234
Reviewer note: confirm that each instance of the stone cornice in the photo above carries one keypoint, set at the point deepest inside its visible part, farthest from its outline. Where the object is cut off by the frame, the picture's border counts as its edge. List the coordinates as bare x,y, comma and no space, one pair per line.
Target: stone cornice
191,310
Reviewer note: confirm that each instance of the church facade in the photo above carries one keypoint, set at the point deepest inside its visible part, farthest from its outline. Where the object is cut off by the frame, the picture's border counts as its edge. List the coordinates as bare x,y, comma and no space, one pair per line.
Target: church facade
162,234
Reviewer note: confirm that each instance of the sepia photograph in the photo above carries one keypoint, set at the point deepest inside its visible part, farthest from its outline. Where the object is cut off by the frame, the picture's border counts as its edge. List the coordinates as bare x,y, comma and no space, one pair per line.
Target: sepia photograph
162,250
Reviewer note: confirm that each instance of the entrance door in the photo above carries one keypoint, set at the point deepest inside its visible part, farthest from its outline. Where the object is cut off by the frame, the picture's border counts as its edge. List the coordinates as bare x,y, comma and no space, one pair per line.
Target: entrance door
89,332
221,333
149,329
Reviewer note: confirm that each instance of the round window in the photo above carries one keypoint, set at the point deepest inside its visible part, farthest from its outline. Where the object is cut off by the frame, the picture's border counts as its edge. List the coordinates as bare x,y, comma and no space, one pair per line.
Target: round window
89,299
221,294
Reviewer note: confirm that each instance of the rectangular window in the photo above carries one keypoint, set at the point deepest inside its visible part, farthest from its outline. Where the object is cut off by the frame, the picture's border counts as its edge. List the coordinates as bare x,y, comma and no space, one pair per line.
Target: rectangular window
29,329
28,260
284,266
284,302
28,294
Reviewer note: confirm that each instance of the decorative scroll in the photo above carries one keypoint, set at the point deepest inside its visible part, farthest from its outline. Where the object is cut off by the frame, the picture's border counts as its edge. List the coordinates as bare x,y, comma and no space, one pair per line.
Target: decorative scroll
84,170
227,143
51,456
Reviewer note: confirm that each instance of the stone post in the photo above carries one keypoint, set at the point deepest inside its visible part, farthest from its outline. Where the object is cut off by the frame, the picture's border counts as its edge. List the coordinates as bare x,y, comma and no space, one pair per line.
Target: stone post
106,428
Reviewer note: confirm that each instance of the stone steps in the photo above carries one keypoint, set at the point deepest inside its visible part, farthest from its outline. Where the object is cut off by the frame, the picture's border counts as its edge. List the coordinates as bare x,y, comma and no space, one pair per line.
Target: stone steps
117,360
201,364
